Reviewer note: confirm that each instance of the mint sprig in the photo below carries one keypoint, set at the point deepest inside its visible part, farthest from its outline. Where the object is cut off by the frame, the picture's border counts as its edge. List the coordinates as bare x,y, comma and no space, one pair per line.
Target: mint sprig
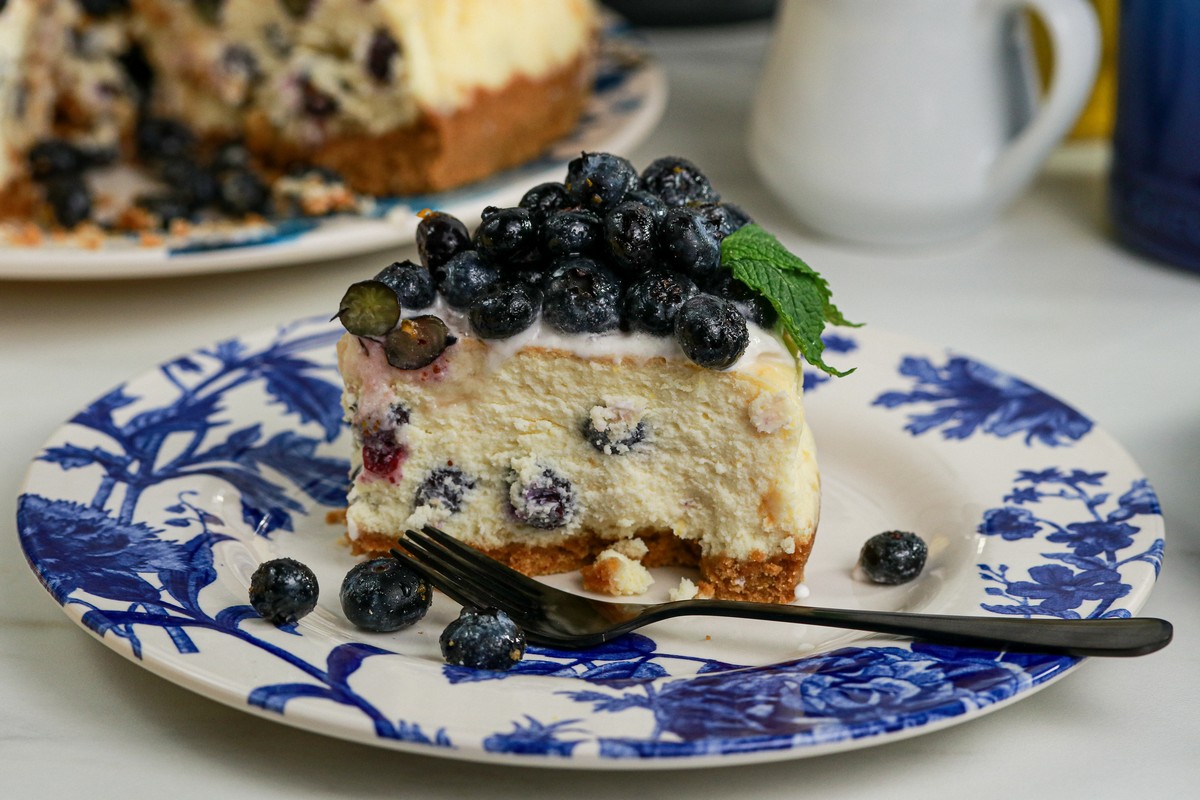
798,293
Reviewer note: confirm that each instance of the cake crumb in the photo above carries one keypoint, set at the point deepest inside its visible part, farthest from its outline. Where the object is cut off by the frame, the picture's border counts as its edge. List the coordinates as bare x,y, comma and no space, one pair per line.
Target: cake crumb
616,574
689,590
631,548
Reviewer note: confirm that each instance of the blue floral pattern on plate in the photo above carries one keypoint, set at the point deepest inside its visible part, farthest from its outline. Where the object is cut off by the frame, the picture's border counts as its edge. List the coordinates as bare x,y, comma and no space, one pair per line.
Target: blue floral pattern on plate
144,515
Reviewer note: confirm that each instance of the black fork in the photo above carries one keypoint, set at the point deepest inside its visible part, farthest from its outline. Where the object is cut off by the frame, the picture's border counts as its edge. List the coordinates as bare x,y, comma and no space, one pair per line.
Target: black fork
554,618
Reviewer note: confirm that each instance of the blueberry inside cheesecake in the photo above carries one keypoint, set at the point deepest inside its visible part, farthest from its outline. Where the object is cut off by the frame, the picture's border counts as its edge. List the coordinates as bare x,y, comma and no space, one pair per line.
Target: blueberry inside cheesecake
583,382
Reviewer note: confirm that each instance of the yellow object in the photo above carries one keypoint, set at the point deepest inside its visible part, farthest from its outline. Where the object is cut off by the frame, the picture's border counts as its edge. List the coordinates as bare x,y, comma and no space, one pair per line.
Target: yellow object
1096,119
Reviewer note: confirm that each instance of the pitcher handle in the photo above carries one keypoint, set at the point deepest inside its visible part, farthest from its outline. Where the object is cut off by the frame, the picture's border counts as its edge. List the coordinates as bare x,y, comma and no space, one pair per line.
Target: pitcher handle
1075,39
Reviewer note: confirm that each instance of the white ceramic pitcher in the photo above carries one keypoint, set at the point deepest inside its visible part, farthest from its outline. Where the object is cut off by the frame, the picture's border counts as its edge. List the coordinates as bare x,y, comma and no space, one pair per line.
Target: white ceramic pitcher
893,121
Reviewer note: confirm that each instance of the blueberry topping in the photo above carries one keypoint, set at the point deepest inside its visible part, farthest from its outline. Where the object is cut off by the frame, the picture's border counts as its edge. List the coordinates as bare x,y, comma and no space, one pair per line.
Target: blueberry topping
241,192
369,308
893,557
506,235
444,488
652,301
686,243
547,501
546,198
283,590
160,139
752,305
70,200
571,233
52,157
380,54
582,297
464,277
599,181
711,331
411,282
630,231
483,639
439,238
651,201
417,342
166,206
678,182
384,595
189,181
503,310
381,453
722,219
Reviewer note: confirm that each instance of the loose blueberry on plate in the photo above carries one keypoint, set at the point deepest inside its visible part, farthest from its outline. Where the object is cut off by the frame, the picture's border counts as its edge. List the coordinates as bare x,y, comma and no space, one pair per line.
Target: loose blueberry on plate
283,590
893,557
369,308
384,595
711,331
483,639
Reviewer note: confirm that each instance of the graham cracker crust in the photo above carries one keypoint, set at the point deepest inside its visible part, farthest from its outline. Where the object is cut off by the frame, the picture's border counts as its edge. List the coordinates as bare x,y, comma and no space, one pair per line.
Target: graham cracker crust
759,579
498,129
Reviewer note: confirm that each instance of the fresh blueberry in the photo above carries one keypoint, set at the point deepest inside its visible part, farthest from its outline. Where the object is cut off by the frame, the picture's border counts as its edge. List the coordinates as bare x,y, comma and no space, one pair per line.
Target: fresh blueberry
652,301
241,192
722,218
161,139
547,501
631,233
381,453
506,236
283,590
53,157
752,305
440,237
483,639
711,331
686,244
612,440
546,198
70,200
582,296
369,308
893,557
380,54
384,595
191,182
651,201
417,342
678,182
464,277
411,282
571,233
444,488
503,310
599,181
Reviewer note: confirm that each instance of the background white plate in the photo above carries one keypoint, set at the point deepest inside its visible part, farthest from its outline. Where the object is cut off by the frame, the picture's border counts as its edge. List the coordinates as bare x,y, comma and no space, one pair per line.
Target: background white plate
629,99
145,515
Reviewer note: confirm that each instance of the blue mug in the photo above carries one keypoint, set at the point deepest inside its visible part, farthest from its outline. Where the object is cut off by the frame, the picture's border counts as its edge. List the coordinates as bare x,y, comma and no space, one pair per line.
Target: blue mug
1154,191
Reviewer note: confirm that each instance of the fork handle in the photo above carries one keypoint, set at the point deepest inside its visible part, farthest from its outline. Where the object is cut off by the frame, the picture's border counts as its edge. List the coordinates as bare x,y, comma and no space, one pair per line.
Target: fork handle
1131,636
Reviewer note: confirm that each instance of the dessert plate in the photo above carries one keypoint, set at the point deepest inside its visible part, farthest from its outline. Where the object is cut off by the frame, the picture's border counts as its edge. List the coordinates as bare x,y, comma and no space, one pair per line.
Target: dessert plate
145,515
629,99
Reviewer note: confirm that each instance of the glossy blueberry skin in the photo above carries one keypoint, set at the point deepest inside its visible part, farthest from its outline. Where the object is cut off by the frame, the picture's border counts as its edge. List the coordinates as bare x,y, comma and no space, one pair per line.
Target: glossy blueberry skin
412,283
599,181
652,301
677,182
893,557
571,233
384,595
50,158
444,487
546,198
752,305
440,237
464,278
503,310
582,296
631,233
688,245
69,199
711,331
507,236
283,590
651,201
722,218
483,639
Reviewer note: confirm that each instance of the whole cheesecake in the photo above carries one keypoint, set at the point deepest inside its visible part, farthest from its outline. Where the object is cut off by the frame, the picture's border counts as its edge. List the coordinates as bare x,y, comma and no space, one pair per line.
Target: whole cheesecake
397,96
584,384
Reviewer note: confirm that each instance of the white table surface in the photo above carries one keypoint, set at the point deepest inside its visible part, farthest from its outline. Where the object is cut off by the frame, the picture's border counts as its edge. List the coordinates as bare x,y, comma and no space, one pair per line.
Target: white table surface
1044,293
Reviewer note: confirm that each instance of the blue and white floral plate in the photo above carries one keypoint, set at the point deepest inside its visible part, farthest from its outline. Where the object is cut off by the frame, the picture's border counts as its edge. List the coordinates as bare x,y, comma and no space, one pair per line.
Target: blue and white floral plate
629,98
145,515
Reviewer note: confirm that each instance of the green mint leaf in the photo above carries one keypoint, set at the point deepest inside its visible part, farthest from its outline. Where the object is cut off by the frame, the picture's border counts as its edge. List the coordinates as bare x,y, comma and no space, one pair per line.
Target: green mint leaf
798,293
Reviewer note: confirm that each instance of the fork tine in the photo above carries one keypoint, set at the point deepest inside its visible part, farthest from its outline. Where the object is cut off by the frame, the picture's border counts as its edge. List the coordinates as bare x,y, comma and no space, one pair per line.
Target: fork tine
466,575
452,588
486,564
